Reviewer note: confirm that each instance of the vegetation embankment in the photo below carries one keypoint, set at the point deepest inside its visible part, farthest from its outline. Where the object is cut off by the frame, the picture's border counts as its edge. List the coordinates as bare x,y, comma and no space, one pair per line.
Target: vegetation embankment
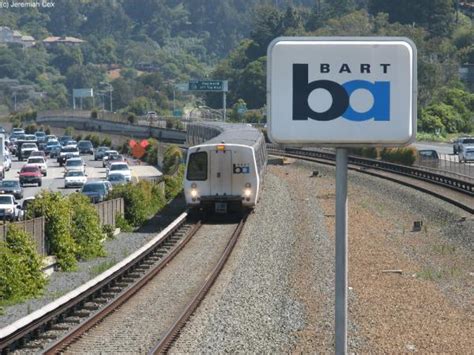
73,231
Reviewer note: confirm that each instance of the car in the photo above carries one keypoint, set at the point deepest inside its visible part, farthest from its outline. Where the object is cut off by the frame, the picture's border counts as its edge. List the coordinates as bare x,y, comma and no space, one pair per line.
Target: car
460,141
115,158
9,209
75,164
41,138
120,168
2,130
64,139
106,156
26,149
96,190
30,137
50,145
99,152
18,130
466,153
85,147
428,157
38,153
12,187
54,151
30,174
26,202
71,143
66,153
7,161
116,179
74,178
51,137
40,162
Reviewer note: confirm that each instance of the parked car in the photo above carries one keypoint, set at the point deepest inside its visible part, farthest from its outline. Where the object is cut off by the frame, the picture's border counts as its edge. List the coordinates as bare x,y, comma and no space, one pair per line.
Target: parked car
9,209
466,153
85,147
30,174
75,164
74,178
96,190
12,187
99,152
120,168
66,153
40,162
460,141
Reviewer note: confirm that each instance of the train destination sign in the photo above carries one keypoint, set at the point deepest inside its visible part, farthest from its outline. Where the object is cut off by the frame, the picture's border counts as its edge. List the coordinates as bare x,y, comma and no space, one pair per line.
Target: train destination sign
342,91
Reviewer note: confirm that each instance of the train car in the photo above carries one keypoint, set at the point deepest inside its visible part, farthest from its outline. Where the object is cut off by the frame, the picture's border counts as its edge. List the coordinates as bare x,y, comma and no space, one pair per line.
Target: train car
224,166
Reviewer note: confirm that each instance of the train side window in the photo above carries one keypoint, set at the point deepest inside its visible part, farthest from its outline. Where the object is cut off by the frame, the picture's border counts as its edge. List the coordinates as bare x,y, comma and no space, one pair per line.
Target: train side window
197,166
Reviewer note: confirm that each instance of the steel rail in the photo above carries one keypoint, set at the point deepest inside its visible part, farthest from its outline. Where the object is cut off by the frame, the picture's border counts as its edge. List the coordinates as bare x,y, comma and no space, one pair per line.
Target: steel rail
61,344
173,332
420,174
328,159
46,321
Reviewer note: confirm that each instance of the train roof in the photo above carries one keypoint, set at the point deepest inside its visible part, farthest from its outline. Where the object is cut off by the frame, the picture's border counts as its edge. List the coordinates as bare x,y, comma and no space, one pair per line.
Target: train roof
232,133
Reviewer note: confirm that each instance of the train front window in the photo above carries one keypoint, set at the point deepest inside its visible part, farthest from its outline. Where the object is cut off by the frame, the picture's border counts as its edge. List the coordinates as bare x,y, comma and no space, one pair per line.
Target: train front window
197,166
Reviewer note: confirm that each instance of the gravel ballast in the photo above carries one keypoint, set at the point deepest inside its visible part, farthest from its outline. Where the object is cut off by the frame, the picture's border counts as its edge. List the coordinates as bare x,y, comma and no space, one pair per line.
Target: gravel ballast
408,291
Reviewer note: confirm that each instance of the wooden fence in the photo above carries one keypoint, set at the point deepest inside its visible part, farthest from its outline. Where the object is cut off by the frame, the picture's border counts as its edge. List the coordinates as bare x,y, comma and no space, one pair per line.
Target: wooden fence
108,210
34,227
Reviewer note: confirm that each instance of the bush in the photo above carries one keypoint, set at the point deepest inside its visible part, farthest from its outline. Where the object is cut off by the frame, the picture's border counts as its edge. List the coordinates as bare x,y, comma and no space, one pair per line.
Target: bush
57,212
121,222
368,152
21,275
77,137
69,131
31,129
108,230
86,229
95,140
94,114
405,156
174,183
47,130
106,141
132,118
172,158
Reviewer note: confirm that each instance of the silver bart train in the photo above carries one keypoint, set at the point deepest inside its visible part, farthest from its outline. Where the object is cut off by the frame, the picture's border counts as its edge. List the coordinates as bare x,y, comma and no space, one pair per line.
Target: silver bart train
225,165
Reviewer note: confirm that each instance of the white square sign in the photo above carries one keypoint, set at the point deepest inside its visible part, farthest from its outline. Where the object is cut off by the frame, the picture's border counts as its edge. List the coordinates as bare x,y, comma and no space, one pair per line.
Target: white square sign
342,91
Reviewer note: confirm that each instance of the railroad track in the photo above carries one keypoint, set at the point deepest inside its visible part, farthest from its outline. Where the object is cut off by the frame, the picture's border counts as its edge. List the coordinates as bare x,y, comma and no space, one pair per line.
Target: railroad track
458,192
68,322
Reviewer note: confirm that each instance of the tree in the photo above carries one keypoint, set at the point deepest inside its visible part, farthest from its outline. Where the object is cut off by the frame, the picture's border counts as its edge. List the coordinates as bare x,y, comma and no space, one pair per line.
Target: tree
65,57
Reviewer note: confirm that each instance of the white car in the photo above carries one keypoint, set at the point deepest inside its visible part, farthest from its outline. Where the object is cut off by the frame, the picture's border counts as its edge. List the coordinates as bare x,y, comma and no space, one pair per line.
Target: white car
9,209
106,156
27,148
466,153
75,164
7,161
74,178
40,162
120,168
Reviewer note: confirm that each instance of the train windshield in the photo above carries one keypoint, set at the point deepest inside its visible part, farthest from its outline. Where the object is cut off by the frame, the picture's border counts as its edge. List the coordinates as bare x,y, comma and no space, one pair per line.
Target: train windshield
197,166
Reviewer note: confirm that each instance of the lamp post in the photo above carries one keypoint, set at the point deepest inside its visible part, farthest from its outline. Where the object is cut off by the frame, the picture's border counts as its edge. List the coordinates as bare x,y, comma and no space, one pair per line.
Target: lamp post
111,88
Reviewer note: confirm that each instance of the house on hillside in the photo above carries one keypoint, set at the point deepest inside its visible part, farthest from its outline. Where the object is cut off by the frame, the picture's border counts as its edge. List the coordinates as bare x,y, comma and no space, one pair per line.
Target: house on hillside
7,35
66,40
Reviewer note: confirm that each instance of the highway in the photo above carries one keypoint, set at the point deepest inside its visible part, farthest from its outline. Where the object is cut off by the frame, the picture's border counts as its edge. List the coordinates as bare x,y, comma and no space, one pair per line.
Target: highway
55,178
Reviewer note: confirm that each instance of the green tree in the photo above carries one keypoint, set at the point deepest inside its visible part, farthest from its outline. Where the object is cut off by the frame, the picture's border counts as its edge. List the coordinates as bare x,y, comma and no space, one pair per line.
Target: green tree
64,57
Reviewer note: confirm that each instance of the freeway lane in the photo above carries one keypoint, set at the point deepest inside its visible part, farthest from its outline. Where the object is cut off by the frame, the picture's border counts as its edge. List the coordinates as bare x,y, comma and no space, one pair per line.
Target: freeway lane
55,179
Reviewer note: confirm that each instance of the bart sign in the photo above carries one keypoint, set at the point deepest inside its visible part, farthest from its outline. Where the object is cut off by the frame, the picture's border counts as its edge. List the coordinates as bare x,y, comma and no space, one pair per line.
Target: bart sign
342,91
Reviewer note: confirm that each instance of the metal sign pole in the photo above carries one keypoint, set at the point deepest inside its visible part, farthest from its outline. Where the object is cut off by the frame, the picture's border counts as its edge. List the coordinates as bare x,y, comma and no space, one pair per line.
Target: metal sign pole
341,251
224,104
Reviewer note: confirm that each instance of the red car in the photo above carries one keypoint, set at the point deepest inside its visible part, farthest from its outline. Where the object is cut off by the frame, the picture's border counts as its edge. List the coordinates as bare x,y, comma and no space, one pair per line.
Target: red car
30,174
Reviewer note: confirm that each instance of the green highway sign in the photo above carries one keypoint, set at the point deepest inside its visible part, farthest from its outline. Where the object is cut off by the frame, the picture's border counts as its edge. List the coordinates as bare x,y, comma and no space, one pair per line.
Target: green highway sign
208,85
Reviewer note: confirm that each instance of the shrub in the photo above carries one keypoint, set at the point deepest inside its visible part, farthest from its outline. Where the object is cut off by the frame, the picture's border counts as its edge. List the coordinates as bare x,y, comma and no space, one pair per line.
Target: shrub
85,228
405,156
77,137
57,212
132,118
368,152
94,138
69,131
106,141
31,128
121,222
47,130
172,158
21,275
174,183
108,230
94,114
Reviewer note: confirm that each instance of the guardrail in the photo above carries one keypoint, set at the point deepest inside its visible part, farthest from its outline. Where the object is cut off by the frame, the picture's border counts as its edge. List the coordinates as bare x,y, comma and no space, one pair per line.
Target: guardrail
457,184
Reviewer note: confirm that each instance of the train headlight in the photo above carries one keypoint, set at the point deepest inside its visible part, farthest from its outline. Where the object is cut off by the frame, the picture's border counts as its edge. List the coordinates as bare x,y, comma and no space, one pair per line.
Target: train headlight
194,193
247,192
